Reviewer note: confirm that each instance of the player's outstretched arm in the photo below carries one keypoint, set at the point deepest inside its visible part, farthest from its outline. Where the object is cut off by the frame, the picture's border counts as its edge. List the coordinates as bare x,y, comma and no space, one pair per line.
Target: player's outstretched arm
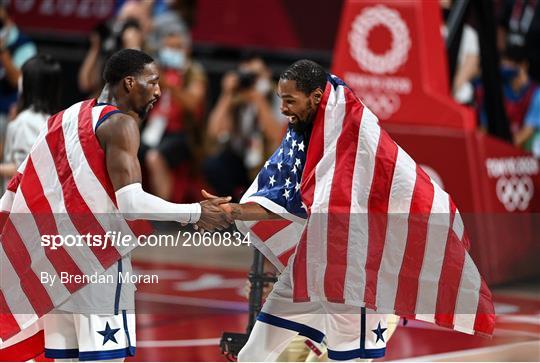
251,212
246,211
119,137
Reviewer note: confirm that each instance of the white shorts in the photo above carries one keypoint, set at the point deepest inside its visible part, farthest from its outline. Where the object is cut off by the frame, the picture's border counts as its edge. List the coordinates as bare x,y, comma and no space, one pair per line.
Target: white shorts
89,336
351,332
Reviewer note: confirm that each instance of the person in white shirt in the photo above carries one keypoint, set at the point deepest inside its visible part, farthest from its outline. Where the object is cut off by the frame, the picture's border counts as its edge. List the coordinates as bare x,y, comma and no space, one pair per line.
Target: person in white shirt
40,97
468,61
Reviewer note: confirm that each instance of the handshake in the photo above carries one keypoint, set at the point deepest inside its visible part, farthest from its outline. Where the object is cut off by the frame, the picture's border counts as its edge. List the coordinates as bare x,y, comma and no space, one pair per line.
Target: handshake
216,213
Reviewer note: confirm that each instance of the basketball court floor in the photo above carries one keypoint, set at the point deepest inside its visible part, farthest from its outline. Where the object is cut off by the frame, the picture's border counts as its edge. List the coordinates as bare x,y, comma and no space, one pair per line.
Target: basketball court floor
200,295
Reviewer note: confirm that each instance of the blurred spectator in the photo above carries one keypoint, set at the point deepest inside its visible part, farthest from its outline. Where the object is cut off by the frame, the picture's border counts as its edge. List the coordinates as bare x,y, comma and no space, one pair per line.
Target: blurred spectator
15,49
173,131
153,15
244,126
161,22
40,97
519,24
105,40
468,61
140,11
521,99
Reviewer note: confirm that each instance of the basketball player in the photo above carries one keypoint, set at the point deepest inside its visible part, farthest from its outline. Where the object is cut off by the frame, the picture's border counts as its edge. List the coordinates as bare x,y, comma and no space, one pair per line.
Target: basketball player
349,332
98,321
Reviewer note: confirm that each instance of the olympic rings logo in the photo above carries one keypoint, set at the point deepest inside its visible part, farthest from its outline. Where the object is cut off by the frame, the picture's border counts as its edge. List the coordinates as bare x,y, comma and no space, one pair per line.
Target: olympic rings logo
383,105
515,192
396,56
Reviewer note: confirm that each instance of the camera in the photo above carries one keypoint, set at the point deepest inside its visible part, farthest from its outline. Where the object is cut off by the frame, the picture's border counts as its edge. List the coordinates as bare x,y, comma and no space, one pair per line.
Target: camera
232,343
246,80
110,34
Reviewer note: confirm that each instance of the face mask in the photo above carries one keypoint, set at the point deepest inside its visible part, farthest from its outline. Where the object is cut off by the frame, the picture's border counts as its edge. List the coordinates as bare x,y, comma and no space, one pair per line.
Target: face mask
172,58
509,73
263,86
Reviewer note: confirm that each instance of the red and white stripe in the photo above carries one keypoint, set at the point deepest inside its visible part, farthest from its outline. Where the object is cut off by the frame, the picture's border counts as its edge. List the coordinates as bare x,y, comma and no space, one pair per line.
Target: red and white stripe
62,188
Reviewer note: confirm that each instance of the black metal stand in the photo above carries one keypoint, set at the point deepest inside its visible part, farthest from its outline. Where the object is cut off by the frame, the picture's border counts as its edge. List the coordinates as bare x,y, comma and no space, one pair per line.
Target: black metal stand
232,343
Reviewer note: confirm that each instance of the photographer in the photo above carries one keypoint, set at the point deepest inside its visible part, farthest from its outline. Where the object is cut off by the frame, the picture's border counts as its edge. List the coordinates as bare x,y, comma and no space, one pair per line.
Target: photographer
243,126
106,39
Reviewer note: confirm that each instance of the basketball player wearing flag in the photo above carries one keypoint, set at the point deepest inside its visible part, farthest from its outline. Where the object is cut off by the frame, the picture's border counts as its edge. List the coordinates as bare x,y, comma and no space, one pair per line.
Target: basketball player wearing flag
82,177
369,230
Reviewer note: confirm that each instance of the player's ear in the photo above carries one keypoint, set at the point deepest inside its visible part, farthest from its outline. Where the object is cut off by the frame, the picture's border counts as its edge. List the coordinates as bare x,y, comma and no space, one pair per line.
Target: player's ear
129,83
317,96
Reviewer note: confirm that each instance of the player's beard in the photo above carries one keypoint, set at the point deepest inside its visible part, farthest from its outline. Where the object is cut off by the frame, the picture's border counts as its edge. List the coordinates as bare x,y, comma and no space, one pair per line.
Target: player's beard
143,112
301,126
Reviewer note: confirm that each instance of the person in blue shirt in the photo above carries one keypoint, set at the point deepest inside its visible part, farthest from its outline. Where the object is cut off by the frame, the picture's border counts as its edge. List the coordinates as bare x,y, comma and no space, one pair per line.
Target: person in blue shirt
15,49
521,99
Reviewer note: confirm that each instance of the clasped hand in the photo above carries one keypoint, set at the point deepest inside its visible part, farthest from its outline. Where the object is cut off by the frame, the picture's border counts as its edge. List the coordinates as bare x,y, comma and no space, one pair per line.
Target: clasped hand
216,213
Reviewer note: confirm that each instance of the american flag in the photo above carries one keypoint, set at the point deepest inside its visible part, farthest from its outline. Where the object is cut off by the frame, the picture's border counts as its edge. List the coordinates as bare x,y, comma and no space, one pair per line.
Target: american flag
277,187
62,188
366,226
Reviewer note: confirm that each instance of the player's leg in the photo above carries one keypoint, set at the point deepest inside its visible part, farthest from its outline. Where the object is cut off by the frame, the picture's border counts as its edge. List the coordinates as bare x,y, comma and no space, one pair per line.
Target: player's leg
302,349
280,321
60,337
356,334
265,343
343,337
105,337
277,325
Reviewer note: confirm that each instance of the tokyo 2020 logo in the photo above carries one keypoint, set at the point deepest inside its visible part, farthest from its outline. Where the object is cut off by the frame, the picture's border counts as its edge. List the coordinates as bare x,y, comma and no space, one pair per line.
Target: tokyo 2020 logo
363,24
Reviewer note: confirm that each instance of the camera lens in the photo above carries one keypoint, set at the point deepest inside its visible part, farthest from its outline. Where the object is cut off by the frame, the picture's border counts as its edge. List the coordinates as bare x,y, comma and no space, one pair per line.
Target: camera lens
246,80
